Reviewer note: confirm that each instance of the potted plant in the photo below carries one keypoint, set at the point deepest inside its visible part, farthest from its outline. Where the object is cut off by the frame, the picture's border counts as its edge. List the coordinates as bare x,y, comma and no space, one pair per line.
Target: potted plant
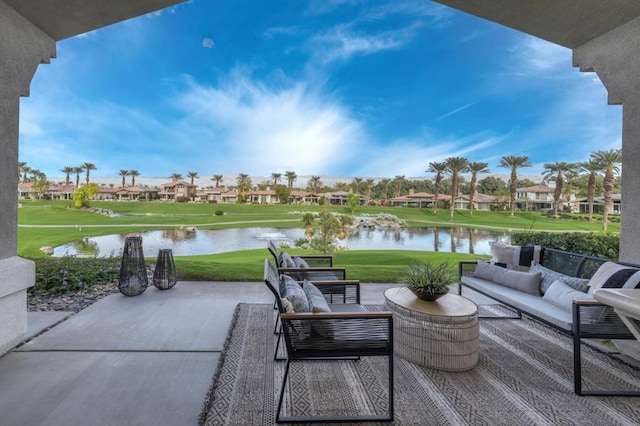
428,281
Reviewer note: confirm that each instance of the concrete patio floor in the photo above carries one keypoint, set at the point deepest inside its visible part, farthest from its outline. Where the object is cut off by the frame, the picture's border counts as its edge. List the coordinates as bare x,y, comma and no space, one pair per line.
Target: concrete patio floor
144,360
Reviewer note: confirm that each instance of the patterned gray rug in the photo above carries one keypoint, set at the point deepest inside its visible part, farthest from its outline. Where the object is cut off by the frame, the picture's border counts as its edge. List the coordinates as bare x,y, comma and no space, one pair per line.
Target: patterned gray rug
524,377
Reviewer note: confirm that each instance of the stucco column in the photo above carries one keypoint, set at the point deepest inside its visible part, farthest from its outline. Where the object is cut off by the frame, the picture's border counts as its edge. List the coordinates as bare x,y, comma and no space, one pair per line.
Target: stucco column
615,57
22,48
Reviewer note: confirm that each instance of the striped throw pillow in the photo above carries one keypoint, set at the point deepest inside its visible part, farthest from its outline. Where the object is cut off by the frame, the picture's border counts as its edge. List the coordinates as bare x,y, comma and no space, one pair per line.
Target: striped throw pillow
614,275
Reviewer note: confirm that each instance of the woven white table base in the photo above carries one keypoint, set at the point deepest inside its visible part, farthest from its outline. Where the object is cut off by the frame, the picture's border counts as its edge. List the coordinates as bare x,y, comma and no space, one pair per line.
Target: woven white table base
442,334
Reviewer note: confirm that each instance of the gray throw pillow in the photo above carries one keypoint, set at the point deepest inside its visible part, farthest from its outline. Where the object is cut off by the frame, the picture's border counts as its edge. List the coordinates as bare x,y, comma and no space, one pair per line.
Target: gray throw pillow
296,295
318,304
523,281
286,261
549,276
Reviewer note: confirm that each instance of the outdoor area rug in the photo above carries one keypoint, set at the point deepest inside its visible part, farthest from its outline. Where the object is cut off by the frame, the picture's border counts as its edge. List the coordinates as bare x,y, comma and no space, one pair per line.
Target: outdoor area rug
524,377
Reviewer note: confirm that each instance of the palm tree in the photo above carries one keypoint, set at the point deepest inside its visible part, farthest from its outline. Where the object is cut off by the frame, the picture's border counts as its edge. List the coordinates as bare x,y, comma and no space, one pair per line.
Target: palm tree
291,177
610,163
438,169
556,172
88,167
276,178
217,179
244,185
77,171
123,173
21,164
475,168
133,174
315,184
356,182
176,177
192,176
591,168
398,181
67,170
25,172
514,162
455,166
385,182
369,183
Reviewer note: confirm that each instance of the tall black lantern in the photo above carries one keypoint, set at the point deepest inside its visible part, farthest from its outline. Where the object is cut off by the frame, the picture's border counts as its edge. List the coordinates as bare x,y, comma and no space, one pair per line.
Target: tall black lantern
164,276
133,278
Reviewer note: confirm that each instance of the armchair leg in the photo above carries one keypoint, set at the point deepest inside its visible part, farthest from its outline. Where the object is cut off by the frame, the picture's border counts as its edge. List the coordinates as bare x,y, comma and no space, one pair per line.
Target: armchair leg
335,419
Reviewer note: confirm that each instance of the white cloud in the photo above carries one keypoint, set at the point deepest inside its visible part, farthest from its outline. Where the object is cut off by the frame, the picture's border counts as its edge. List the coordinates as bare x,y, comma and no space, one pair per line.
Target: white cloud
342,42
208,43
257,129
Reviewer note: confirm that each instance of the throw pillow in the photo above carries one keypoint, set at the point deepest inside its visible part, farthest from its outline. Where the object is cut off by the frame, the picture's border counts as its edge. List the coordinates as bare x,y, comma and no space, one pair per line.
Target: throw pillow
562,295
286,261
318,304
300,262
614,275
288,307
528,282
296,295
548,276
515,257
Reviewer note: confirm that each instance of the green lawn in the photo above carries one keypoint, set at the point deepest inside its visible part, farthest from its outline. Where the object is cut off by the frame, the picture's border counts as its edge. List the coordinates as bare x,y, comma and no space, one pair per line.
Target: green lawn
52,223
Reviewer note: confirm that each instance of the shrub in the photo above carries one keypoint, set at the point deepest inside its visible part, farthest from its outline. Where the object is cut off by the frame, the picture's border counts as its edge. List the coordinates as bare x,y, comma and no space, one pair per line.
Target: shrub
219,212
58,275
591,244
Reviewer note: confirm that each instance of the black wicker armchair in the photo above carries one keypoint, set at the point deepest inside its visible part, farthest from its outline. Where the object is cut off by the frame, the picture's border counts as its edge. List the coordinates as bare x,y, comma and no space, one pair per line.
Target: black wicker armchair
348,331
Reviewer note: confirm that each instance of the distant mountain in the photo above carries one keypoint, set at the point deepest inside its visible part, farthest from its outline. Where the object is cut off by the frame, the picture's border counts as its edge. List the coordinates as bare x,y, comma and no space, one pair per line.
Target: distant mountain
230,179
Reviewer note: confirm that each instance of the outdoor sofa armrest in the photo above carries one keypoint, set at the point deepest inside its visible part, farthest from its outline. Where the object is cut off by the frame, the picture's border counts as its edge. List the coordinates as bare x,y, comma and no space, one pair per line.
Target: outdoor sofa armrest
466,267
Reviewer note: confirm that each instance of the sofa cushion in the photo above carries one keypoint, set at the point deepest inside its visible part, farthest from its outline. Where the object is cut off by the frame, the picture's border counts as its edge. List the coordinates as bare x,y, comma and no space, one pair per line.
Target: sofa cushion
614,275
549,276
528,282
525,302
519,258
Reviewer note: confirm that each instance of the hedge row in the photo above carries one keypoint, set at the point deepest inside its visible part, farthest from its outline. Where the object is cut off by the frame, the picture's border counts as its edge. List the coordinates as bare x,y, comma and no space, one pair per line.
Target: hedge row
599,245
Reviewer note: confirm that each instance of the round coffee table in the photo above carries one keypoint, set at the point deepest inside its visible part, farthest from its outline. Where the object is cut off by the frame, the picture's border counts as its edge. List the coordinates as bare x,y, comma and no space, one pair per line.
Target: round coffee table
441,334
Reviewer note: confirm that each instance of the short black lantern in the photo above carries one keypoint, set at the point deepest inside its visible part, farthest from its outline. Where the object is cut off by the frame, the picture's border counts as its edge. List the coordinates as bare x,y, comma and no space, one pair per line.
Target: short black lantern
164,276
133,278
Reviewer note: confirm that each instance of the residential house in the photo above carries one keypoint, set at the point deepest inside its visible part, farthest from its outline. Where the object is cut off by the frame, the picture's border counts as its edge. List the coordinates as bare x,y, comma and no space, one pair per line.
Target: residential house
136,193
540,197
418,199
178,190
265,196
598,204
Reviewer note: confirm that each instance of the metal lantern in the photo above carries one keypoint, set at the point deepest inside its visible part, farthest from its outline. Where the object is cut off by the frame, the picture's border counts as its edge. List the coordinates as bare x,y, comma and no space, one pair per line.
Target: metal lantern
164,276
133,278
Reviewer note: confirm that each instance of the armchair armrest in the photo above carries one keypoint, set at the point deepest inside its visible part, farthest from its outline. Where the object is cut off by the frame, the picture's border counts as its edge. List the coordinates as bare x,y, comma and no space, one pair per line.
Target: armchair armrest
317,259
316,273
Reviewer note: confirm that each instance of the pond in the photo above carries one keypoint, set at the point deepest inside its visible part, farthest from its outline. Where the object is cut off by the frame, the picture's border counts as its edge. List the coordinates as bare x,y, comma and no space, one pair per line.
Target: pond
185,242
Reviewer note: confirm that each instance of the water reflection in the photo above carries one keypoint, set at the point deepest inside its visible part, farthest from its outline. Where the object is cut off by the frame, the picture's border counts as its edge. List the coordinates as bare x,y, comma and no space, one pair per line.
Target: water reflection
190,242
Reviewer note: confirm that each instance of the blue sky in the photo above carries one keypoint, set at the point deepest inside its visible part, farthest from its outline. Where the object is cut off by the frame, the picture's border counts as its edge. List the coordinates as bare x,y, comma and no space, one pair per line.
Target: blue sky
321,87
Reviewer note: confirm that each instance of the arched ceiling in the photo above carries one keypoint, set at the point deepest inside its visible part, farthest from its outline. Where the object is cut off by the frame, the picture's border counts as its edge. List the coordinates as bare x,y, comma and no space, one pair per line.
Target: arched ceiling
61,19
569,23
